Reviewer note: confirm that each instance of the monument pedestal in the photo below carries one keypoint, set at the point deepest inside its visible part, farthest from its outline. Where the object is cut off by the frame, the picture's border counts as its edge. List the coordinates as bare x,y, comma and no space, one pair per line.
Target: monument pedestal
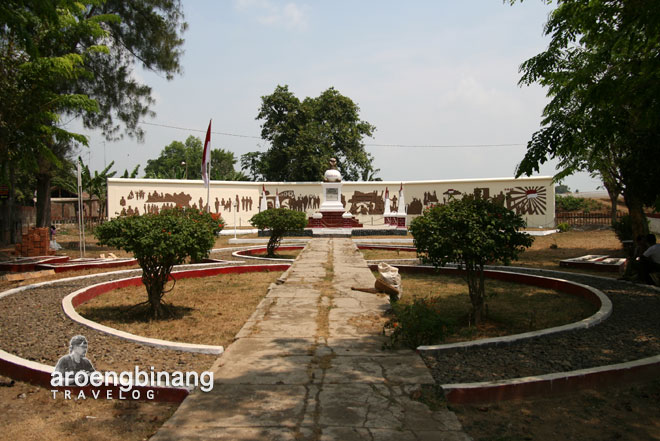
396,220
333,219
331,213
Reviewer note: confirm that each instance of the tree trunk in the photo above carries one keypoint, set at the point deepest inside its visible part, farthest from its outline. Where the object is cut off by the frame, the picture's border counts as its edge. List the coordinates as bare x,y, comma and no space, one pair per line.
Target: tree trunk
11,215
273,244
614,199
637,217
43,199
475,279
7,233
154,280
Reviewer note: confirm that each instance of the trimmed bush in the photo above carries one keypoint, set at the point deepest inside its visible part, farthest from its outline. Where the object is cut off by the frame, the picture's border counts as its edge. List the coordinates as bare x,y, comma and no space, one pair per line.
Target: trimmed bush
160,241
470,231
279,221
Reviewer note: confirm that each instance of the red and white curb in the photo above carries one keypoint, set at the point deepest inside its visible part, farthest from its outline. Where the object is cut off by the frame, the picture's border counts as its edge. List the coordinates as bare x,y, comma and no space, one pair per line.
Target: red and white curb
22,369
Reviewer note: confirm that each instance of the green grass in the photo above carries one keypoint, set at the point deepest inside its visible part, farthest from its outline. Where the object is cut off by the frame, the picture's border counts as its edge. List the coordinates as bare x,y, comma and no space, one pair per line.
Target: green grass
511,308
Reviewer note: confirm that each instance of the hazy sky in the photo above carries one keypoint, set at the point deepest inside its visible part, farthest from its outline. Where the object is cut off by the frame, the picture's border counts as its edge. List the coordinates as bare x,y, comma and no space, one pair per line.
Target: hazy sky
425,73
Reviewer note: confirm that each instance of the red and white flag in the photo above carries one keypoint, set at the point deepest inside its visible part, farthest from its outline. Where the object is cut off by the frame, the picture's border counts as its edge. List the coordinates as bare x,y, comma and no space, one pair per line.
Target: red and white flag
206,158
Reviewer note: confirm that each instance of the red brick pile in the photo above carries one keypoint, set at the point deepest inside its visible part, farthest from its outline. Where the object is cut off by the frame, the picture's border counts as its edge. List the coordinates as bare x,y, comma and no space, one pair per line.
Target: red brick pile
35,243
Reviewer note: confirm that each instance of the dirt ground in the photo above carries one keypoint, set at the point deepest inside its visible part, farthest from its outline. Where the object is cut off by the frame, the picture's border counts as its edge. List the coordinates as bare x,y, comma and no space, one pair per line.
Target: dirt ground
29,412
628,413
622,412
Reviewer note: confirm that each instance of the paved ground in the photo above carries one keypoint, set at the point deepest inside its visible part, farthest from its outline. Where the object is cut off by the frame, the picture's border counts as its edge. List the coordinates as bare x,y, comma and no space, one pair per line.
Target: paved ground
308,365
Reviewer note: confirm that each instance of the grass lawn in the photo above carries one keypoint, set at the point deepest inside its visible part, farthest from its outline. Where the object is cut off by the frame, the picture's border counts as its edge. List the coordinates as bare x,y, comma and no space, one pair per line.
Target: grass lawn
511,308
208,310
546,251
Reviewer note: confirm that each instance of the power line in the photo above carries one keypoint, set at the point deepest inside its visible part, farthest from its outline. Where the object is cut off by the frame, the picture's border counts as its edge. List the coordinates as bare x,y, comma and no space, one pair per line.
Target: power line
448,146
199,130
431,146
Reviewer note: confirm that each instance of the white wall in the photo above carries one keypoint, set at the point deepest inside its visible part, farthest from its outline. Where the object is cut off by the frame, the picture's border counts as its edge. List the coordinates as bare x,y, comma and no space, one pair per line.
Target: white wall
534,198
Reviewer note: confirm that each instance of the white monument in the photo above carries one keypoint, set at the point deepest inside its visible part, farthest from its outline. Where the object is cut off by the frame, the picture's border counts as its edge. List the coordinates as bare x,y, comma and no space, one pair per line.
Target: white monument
332,189
331,212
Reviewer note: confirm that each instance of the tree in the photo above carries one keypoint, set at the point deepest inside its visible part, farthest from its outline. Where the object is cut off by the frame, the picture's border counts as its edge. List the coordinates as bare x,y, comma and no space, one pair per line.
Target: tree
133,174
470,231
31,78
97,185
160,241
303,136
601,70
91,47
184,161
278,221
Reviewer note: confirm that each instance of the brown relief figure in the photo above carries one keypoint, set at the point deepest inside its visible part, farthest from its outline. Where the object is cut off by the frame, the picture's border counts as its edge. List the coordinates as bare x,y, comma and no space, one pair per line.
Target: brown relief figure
237,203
130,211
430,198
217,205
130,195
201,203
122,202
481,193
366,203
250,203
527,200
449,195
145,208
178,199
123,211
137,211
415,207
194,206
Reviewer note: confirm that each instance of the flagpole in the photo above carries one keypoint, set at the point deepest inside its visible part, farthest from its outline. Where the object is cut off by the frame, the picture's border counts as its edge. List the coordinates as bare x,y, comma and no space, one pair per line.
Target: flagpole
206,167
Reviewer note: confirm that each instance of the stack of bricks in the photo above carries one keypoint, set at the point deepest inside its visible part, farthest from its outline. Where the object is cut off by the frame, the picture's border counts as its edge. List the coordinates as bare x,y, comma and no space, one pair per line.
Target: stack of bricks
35,243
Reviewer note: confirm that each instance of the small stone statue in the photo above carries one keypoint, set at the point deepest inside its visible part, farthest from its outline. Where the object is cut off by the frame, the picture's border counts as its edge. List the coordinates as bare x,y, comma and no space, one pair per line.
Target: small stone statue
332,174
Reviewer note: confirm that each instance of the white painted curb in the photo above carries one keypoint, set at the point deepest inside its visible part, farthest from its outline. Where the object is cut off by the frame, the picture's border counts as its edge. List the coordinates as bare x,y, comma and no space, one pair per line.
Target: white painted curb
602,314
555,376
71,312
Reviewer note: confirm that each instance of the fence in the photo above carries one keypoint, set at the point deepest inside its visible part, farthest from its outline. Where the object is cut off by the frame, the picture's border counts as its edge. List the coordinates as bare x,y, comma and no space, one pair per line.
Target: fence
577,219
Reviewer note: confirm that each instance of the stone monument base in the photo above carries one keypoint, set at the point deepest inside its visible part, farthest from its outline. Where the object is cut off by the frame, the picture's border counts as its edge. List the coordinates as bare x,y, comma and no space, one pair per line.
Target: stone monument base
333,219
395,220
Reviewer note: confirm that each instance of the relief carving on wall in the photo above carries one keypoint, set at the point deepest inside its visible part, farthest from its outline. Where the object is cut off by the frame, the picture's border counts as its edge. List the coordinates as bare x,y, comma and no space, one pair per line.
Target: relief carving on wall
367,203
527,200
522,200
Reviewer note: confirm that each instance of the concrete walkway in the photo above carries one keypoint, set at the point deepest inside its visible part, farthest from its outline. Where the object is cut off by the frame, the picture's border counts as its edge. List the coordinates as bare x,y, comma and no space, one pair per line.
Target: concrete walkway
308,365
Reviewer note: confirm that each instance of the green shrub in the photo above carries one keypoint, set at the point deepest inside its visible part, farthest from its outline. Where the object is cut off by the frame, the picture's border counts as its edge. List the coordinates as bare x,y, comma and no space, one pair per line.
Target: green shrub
417,323
160,241
572,203
623,228
279,221
471,232
563,227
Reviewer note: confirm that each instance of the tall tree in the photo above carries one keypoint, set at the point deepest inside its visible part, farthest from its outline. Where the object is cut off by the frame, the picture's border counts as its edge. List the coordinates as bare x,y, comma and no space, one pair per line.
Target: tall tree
303,136
104,38
602,71
183,160
32,98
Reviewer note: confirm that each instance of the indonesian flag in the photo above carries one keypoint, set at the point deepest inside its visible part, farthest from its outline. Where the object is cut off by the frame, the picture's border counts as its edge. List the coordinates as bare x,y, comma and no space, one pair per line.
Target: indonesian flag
206,158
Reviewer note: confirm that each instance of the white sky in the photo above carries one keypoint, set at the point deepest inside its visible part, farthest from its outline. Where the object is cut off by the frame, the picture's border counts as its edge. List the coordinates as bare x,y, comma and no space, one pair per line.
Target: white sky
428,72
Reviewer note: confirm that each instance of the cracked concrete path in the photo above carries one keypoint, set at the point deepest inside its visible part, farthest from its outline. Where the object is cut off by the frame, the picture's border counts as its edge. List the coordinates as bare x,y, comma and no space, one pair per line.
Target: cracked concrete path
308,365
